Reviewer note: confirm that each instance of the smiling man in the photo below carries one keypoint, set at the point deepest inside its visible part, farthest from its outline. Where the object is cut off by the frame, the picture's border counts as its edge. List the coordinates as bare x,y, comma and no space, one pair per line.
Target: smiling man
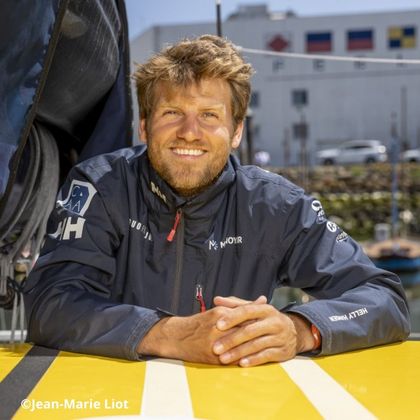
175,252
191,134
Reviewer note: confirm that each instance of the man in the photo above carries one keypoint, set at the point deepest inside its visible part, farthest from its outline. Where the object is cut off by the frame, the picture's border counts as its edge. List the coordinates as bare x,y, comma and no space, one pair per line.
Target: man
144,248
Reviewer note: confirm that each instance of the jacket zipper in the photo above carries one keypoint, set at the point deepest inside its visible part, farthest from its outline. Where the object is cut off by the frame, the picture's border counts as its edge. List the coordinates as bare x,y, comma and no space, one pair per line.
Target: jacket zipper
199,296
171,234
178,228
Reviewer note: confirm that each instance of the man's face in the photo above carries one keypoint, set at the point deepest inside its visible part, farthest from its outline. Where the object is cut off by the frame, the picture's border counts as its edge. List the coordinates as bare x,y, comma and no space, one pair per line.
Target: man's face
189,133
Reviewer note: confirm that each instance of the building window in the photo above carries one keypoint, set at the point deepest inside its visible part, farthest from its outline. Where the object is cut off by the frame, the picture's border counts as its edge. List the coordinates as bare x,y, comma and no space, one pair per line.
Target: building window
255,100
360,65
300,130
277,65
319,65
299,97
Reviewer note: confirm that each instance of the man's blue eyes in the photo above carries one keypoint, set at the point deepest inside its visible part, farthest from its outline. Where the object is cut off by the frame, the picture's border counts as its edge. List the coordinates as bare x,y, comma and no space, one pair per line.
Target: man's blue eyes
210,115
204,114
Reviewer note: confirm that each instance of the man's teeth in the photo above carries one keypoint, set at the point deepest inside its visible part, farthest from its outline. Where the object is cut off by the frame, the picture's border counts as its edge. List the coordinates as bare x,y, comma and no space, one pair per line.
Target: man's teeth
190,152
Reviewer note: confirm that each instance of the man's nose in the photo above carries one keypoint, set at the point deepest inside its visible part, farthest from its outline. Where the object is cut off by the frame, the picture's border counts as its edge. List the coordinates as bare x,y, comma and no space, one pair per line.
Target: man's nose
189,128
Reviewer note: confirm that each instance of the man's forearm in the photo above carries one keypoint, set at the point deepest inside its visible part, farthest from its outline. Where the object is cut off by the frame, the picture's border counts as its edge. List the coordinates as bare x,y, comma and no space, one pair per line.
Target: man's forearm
155,342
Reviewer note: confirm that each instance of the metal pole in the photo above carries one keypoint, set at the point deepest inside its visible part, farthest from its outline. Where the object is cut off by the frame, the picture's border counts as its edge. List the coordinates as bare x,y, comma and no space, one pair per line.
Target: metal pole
403,130
303,132
219,17
249,138
286,148
395,150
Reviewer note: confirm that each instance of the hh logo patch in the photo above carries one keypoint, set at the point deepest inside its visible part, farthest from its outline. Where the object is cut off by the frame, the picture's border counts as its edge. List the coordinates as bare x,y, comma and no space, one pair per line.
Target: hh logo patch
79,197
69,229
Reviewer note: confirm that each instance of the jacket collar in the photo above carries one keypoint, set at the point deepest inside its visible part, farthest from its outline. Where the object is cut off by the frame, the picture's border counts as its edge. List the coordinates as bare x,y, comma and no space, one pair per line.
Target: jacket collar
160,197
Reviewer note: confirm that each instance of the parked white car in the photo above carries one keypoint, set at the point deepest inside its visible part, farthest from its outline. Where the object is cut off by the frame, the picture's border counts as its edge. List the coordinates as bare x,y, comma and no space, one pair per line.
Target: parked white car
412,155
354,151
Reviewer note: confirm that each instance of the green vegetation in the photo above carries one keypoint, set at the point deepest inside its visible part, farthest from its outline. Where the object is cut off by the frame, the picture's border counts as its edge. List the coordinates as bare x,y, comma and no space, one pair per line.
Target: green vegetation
358,197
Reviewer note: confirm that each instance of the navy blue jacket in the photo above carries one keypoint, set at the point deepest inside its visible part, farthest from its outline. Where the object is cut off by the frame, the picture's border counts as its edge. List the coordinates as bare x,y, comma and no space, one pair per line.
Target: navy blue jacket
108,272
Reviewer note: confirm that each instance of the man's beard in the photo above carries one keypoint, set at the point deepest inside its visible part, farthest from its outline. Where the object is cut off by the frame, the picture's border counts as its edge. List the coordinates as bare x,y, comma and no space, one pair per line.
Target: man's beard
186,181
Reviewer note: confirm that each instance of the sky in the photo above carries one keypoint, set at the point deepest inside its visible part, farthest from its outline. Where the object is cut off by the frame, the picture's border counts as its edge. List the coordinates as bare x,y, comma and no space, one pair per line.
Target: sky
142,14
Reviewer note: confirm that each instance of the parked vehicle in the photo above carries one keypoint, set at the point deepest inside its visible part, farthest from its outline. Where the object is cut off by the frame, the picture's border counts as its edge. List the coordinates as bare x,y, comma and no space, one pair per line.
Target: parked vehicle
412,155
354,151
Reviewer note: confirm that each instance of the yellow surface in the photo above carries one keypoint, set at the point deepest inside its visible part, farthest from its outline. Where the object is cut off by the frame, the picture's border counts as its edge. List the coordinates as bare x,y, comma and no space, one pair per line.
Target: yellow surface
75,379
10,356
386,380
263,392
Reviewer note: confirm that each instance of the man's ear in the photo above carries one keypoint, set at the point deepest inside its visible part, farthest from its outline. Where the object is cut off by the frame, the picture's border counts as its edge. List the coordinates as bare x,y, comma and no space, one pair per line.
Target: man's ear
237,135
142,130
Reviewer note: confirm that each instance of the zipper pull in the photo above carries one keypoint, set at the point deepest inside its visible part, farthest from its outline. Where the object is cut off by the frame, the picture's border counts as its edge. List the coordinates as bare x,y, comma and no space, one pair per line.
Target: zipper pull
199,297
171,234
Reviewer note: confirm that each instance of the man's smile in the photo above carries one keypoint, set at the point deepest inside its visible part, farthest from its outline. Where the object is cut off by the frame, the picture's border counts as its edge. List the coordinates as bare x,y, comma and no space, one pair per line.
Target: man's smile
188,152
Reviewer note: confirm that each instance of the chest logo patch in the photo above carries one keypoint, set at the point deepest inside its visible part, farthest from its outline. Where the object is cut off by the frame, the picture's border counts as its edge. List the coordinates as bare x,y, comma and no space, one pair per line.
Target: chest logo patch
229,240
78,198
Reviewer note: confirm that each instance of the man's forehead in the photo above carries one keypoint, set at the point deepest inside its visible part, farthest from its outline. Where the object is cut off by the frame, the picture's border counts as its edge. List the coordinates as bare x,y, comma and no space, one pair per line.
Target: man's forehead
214,90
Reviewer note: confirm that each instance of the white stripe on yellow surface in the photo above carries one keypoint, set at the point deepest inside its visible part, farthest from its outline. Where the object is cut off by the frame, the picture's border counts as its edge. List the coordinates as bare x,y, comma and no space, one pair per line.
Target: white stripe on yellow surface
166,391
328,397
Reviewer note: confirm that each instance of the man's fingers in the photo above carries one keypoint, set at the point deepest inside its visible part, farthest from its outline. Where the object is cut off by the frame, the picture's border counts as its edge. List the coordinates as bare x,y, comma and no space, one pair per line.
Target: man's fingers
255,332
262,300
245,349
229,301
258,351
243,313
272,354
233,301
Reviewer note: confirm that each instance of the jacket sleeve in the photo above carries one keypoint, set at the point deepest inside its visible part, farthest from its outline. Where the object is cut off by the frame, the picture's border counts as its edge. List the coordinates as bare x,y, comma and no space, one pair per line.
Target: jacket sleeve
68,292
356,304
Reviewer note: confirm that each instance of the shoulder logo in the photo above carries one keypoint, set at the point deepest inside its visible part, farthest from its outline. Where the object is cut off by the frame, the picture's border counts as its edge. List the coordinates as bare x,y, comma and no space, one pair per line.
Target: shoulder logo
342,236
320,213
331,226
316,206
78,198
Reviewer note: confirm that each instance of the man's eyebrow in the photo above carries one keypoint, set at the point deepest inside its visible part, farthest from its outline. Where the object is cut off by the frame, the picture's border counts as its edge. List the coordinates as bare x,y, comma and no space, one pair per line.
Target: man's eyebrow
218,106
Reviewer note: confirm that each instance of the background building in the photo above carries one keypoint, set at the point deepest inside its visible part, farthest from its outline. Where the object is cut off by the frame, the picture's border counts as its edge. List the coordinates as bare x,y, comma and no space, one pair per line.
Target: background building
314,103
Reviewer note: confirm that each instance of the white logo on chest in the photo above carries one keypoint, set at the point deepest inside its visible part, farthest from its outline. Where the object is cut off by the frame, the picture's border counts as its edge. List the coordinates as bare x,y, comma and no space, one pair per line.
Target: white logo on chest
136,225
229,240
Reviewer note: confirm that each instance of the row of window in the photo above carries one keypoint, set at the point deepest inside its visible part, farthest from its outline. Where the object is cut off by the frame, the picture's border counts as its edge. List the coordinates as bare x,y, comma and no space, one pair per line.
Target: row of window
319,65
299,98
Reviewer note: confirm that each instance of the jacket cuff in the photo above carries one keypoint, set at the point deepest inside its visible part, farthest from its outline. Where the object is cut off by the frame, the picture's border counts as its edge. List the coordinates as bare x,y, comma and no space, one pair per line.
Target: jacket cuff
325,331
147,319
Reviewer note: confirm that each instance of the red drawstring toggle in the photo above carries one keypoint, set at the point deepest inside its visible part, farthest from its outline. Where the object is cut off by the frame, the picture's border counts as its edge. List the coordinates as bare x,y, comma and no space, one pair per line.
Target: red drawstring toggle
171,234
199,297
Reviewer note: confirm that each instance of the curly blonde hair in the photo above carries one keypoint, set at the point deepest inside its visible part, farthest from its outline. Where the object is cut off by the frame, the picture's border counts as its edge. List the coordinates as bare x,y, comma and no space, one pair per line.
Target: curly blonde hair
189,61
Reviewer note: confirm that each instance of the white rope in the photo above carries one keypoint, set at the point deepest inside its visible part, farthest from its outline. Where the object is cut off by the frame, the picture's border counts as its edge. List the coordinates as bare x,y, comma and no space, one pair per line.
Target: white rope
328,57
22,319
14,319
